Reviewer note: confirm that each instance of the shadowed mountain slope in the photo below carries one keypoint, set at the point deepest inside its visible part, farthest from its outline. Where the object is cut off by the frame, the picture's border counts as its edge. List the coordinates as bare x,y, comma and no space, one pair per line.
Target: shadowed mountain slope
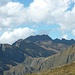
8,52
32,49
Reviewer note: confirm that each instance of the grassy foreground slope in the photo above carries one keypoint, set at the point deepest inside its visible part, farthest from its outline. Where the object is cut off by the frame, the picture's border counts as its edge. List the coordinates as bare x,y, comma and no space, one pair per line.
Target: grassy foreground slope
63,70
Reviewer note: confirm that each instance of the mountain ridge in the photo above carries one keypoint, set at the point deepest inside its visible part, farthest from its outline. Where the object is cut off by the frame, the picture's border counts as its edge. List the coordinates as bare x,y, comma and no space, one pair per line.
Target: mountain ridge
33,55
56,45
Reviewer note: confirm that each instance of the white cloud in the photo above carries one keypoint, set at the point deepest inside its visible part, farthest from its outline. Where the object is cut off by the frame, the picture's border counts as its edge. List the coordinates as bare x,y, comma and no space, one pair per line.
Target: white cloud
52,11
13,14
73,32
47,10
20,33
73,1
65,36
3,2
67,22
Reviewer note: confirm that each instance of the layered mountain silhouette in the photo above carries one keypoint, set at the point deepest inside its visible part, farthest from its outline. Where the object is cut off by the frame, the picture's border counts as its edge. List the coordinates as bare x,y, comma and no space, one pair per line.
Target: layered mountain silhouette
35,53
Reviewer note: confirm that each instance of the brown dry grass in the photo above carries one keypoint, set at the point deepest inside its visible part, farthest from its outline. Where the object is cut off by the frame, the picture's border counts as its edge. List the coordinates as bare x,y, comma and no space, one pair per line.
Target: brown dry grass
64,70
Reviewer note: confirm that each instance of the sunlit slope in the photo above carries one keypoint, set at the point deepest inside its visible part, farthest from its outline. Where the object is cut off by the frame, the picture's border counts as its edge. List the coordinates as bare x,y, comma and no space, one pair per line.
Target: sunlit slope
63,70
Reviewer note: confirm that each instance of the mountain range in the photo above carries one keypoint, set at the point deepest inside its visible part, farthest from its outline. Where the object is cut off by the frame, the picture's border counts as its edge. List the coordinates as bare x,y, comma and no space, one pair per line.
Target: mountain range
35,53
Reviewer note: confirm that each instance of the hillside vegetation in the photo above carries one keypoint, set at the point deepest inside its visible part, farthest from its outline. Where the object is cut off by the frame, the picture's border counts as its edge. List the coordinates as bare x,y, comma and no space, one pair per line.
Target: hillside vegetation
64,70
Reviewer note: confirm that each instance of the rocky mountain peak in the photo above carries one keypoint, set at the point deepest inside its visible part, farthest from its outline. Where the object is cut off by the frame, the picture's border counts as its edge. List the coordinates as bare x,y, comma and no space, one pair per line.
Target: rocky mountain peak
39,37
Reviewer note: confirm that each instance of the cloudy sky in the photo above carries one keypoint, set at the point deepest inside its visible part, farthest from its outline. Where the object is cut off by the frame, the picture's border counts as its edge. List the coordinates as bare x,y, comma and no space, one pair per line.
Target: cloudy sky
22,18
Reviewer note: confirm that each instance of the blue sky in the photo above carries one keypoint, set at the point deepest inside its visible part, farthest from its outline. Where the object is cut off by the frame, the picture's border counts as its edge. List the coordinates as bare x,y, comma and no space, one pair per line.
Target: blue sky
25,2
23,18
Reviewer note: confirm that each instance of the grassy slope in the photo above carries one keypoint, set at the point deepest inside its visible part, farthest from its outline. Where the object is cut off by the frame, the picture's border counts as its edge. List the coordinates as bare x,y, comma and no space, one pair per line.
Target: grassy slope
64,70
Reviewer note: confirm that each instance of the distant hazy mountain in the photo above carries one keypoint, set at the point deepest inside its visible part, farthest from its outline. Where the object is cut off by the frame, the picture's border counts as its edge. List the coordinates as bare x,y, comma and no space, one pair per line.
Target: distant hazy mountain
35,53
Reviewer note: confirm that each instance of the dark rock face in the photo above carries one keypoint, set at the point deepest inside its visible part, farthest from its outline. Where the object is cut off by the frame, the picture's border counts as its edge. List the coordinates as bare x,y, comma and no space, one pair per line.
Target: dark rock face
1,72
39,38
47,38
12,53
64,41
33,50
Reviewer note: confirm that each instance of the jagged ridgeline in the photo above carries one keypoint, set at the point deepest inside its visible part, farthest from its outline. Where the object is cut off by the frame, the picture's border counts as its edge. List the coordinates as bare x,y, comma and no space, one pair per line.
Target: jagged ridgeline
35,53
